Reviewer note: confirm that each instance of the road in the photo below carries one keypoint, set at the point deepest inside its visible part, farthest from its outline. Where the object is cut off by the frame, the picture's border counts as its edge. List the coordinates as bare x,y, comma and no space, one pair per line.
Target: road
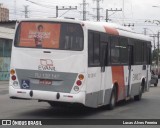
147,108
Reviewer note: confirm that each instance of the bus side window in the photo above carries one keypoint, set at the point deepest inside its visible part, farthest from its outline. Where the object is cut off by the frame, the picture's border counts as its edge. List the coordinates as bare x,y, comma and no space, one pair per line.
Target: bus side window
93,49
144,52
148,50
138,52
123,50
115,51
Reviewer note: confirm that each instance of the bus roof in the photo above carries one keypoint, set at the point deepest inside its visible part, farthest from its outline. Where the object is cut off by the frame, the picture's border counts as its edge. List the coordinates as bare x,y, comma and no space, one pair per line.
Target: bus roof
116,29
110,28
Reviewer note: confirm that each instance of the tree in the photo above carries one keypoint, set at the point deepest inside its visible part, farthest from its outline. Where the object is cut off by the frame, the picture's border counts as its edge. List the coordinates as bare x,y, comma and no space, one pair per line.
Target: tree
155,56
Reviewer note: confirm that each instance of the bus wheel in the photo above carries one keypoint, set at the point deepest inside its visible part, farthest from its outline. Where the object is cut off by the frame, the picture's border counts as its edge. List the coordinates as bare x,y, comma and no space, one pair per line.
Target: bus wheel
112,102
139,96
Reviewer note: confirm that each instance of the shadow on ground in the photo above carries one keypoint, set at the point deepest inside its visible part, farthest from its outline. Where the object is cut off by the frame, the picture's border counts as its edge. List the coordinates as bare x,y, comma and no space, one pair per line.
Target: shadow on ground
70,112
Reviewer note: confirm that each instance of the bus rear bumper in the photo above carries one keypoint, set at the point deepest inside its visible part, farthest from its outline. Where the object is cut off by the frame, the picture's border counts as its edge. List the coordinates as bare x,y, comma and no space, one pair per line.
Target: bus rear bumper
46,95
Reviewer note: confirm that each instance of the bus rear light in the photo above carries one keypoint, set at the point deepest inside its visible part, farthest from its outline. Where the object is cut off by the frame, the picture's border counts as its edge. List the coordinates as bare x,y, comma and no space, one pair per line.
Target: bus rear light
12,71
81,76
76,88
13,77
15,83
78,82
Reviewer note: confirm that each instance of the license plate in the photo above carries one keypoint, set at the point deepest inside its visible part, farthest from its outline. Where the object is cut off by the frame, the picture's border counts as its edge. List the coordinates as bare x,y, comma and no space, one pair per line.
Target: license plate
45,82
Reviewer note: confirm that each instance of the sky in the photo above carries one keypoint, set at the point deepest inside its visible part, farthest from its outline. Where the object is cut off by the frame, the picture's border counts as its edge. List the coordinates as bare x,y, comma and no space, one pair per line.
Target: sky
137,12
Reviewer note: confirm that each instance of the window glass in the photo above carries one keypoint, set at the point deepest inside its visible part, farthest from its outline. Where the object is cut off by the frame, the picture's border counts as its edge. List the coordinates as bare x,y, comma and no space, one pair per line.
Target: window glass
123,50
96,48
115,51
138,57
63,36
93,48
144,52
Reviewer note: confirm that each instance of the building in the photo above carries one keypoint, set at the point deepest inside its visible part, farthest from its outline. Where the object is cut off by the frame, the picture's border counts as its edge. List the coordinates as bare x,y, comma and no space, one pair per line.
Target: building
4,13
6,38
7,29
8,24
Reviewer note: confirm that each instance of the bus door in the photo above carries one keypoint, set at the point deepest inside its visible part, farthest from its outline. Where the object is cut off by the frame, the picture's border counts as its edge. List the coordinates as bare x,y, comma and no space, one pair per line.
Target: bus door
130,68
103,61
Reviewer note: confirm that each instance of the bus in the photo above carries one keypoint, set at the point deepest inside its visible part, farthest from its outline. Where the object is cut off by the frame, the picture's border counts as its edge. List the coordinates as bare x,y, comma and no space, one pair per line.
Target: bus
64,61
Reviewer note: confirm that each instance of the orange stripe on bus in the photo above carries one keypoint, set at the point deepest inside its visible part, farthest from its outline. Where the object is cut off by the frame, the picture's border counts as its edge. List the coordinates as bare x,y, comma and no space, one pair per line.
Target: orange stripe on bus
118,76
111,31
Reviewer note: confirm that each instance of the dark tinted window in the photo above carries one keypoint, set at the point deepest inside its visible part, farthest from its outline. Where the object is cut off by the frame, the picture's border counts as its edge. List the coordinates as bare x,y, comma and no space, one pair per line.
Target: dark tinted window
119,50
138,56
71,37
123,50
93,48
115,50
144,52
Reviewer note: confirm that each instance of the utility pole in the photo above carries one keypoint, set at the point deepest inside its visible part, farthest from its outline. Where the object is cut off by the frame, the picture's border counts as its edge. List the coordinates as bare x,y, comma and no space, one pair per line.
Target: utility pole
154,36
145,31
26,11
64,8
158,51
112,10
123,10
84,10
15,9
98,9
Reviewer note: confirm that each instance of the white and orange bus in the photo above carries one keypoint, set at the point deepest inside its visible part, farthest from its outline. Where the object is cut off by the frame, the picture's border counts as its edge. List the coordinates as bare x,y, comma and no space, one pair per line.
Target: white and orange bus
78,62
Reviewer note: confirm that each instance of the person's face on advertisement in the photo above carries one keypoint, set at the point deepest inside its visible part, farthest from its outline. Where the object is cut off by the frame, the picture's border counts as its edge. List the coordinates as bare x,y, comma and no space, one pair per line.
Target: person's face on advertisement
40,28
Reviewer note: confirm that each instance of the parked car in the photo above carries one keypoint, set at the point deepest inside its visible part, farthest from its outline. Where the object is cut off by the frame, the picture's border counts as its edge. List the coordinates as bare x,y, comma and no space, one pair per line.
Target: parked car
154,79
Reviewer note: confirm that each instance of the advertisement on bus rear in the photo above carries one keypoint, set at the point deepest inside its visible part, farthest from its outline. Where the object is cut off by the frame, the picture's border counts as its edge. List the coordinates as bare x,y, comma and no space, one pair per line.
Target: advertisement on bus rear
39,35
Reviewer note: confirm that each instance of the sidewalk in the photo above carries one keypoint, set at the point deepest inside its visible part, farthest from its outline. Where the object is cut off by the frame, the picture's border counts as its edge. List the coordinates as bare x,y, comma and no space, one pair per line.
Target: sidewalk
4,85
4,82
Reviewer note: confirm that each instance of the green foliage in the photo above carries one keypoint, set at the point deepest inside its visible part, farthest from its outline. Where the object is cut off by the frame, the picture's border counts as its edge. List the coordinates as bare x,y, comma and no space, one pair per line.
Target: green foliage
155,56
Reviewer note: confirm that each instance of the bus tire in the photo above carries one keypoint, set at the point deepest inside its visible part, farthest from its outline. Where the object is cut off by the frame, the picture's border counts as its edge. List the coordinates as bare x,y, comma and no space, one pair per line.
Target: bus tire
139,96
113,98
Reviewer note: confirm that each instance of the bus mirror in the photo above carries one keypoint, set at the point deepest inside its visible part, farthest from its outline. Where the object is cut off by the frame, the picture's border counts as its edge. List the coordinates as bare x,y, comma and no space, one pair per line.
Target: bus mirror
104,37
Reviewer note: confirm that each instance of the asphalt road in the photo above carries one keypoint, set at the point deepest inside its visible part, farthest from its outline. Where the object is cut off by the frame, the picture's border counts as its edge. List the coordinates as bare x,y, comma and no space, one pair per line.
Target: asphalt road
147,108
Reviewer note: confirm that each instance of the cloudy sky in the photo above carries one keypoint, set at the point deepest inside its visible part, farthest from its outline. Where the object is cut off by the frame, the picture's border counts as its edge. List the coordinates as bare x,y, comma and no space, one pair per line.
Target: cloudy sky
137,12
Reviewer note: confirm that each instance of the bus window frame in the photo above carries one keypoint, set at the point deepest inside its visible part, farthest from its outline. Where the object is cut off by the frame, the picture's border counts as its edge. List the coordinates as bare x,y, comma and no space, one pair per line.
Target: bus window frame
18,30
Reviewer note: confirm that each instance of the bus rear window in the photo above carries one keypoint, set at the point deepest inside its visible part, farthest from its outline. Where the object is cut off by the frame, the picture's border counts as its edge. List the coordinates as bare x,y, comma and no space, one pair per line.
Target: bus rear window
48,35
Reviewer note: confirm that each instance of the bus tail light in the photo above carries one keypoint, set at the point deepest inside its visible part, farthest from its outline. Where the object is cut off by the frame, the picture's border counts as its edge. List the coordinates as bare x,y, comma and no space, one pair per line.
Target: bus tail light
79,83
76,88
81,76
13,77
12,71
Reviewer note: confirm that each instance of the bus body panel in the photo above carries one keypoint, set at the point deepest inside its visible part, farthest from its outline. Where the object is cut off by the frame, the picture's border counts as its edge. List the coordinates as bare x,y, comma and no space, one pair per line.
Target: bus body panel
95,93
51,72
47,96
